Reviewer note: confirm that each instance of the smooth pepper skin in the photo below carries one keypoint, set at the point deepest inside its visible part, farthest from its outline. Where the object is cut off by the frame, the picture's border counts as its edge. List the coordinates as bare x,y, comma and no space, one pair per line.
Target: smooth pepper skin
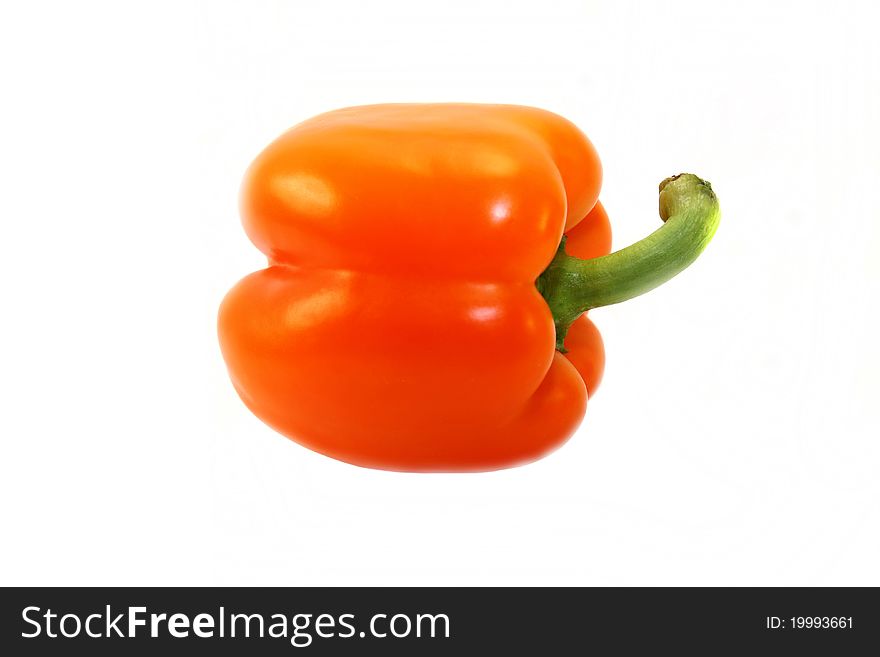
397,325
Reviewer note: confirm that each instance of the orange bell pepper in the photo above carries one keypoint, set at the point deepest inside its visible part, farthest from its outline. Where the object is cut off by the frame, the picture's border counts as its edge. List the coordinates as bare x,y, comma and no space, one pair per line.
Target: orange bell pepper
421,310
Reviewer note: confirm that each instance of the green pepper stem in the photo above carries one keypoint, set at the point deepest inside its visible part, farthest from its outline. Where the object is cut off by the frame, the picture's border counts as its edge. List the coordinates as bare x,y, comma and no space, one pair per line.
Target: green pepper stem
571,286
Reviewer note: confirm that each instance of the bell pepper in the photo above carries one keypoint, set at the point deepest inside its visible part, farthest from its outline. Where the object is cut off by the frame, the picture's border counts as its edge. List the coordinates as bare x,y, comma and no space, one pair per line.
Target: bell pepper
430,268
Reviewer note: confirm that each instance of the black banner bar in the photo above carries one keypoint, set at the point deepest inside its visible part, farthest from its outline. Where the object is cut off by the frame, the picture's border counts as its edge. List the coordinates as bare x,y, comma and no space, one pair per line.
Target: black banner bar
437,621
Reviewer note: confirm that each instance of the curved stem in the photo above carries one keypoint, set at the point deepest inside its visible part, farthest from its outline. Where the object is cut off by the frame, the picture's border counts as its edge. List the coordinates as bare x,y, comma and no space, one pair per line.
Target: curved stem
572,286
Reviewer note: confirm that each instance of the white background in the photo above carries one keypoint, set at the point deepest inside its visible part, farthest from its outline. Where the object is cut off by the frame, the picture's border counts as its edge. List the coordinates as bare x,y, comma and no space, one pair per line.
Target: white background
734,439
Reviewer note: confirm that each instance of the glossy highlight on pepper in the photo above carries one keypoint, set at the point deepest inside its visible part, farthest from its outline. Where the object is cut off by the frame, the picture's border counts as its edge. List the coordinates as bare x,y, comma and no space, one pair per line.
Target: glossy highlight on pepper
398,324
